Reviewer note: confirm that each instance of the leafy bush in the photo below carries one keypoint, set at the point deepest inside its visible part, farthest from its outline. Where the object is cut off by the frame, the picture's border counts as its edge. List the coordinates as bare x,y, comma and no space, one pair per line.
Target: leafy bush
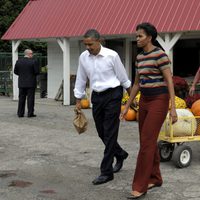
181,86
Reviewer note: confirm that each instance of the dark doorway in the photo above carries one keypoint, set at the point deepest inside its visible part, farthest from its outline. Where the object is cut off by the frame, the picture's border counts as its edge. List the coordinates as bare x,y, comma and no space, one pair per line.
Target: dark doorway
116,45
186,58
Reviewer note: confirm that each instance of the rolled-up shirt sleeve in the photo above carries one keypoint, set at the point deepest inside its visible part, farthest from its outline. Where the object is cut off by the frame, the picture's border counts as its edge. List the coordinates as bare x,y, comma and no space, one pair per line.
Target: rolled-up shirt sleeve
121,73
80,84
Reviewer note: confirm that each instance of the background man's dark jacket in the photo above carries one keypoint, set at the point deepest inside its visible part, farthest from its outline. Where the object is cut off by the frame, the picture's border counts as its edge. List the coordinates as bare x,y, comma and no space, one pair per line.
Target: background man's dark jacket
27,69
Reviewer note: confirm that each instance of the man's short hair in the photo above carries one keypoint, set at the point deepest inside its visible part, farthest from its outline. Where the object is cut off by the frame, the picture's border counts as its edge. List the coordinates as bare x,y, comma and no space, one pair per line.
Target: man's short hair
27,51
92,33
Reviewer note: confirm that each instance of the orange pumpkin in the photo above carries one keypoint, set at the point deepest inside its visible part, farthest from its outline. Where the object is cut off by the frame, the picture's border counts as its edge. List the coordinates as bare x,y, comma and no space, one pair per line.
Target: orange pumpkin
85,103
130,115
196,108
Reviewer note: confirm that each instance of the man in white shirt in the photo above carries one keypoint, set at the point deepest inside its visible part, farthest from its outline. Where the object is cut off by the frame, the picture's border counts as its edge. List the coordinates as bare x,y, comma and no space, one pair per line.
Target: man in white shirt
107,76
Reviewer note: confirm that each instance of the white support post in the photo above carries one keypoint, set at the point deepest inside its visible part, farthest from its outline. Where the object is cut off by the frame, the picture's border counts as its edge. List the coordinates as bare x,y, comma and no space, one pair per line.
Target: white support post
168,43
128,52
65,46
15,45
60,42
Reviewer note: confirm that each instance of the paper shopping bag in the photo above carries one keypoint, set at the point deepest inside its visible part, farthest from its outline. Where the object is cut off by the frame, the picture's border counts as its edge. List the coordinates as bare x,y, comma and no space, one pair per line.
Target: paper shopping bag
80,122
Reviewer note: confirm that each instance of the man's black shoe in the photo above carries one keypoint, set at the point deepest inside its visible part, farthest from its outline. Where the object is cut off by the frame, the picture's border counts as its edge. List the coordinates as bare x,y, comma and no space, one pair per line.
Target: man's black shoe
32,115
102,179
119,163
20,116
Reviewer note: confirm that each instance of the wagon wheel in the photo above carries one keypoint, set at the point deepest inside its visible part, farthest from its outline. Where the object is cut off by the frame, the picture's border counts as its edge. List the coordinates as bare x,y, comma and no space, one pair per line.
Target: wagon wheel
182,156
165,150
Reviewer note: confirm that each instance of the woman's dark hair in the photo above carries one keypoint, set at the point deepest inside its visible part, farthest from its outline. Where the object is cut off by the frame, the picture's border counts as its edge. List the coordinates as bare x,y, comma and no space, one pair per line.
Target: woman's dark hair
149,29
92,33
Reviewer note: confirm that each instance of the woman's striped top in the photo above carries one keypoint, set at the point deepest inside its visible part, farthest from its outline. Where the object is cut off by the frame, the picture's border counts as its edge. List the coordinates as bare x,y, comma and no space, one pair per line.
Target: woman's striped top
149,66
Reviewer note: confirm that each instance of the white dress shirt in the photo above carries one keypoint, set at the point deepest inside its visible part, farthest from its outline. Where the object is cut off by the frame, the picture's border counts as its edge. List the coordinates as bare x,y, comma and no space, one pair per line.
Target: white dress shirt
104,70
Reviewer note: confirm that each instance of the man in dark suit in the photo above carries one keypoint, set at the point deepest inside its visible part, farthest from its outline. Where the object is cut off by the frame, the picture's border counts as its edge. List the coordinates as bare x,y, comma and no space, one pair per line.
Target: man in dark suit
27,69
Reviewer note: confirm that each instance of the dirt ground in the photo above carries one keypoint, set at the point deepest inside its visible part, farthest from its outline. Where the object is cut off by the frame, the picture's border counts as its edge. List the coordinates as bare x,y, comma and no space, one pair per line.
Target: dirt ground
44,158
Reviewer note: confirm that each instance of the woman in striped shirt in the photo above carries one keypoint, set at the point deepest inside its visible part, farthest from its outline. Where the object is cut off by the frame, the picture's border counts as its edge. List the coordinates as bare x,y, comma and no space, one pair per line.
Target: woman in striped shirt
154,80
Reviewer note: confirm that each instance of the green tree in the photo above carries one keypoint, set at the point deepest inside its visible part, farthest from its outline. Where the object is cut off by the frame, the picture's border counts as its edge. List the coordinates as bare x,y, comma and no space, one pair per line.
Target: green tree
9,10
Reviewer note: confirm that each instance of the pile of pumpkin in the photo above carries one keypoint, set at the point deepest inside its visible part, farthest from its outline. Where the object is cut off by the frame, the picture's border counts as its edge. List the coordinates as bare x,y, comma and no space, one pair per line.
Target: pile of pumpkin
132,114
188,123
195,109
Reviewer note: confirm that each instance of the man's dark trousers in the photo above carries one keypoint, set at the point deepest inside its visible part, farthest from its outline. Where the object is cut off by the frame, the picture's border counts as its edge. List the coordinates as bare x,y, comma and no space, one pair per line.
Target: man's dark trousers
106,110
30,94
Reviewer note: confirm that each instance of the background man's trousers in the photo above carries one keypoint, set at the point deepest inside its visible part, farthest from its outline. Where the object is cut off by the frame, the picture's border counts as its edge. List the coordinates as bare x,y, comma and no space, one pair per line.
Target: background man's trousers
106,110
30,94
